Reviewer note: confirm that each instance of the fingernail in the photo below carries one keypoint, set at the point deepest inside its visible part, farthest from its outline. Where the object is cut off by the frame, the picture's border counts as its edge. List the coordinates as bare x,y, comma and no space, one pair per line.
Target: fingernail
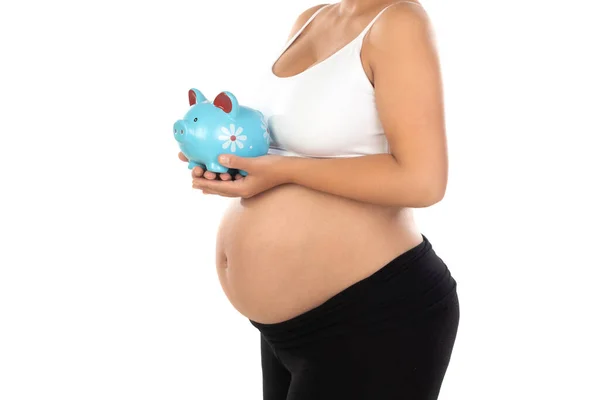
224,160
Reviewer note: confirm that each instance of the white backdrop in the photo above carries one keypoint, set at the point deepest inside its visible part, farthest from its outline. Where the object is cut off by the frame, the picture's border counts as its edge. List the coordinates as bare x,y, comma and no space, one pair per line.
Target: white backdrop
108,288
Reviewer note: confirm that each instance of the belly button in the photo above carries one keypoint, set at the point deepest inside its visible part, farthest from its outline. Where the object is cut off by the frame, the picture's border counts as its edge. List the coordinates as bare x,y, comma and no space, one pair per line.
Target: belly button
223,264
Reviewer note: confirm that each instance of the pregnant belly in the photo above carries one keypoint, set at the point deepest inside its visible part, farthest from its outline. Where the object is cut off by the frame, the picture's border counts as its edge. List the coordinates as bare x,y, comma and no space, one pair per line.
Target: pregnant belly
289,249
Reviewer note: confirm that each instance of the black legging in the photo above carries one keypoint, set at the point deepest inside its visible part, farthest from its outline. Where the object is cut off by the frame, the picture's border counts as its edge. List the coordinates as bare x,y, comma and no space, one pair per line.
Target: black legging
386,337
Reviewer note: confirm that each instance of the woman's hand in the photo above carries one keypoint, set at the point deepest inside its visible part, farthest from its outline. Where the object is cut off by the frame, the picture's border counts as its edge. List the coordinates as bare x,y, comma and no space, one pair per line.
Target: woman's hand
264,173
198,172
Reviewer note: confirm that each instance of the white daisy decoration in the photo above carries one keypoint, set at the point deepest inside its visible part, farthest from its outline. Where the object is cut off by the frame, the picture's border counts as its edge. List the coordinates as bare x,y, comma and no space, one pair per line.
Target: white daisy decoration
232,137
266,130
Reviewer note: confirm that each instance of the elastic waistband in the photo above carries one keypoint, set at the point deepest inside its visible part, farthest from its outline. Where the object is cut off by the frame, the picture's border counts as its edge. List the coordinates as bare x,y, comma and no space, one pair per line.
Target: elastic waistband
344,298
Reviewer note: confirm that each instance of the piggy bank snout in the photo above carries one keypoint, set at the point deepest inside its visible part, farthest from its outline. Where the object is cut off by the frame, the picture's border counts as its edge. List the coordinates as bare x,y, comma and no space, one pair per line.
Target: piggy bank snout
180,130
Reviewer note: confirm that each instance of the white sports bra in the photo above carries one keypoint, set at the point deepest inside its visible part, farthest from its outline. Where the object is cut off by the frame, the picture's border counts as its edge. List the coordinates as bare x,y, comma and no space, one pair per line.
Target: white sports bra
328,110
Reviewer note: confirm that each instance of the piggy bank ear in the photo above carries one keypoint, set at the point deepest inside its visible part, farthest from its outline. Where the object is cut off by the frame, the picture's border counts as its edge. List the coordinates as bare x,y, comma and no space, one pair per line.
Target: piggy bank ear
227,102
195,96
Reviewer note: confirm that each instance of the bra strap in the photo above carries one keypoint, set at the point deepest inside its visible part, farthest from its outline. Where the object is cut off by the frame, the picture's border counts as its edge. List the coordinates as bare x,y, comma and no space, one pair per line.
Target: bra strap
293,38
364,32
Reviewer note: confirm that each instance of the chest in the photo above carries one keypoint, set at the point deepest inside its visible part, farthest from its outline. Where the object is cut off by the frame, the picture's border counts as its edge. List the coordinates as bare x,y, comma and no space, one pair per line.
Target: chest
326,111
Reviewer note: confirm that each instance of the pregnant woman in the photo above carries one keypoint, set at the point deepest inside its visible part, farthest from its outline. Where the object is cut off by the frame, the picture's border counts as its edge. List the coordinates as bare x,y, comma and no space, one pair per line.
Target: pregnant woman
318,248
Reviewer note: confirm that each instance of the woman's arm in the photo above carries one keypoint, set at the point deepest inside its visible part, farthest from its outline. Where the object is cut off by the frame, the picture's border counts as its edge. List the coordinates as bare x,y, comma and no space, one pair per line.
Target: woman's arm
401,52
376,179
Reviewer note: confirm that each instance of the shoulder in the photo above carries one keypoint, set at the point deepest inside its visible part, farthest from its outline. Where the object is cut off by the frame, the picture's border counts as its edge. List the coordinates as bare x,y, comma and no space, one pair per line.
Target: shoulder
306,14
304,17
404,11
404,22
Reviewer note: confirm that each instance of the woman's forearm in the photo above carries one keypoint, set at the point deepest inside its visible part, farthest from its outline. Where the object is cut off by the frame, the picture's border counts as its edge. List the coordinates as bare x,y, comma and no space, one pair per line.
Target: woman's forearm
377,179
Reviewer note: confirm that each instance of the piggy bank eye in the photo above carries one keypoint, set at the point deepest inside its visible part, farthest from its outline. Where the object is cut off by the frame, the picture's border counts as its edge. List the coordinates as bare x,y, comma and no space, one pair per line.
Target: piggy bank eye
196,119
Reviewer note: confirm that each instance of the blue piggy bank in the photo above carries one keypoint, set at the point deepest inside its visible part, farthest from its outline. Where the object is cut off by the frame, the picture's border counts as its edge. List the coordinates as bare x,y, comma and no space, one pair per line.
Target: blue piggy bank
222,127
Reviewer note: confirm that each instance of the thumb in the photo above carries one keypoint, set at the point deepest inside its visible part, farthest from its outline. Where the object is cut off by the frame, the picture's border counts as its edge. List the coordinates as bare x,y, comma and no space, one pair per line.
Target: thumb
231,161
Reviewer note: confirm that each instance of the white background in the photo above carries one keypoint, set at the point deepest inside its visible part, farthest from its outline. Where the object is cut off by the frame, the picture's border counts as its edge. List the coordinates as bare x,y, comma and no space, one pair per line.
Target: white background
108,288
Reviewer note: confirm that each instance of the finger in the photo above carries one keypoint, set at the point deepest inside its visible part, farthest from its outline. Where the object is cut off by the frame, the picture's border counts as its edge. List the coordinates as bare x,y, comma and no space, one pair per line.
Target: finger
210,175
206,191
196,185
222,188
238,176
203,184
182,157
213,192
197,172
225,176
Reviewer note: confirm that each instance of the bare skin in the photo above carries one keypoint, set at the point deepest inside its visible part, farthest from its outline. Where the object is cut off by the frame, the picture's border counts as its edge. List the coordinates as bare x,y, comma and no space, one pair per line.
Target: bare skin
297,231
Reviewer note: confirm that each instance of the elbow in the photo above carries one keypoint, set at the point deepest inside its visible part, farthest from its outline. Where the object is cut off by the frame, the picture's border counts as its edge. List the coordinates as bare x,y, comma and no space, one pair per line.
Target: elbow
431,197
428,193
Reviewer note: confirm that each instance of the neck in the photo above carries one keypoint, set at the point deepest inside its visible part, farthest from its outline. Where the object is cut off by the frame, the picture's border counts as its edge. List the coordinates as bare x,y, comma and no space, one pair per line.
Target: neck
357,7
